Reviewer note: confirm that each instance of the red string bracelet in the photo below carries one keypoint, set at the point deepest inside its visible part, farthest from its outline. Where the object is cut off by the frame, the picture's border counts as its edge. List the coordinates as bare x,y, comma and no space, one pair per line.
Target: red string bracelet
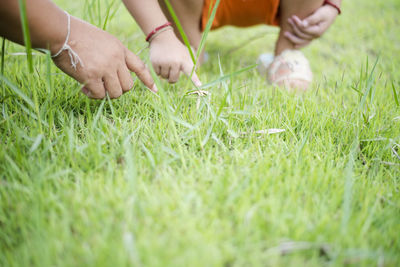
167,24
327,2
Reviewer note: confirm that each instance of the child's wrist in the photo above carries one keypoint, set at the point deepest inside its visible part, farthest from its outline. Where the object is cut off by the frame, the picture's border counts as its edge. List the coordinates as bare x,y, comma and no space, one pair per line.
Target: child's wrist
48,32
163,36
57,42
334,5
158,30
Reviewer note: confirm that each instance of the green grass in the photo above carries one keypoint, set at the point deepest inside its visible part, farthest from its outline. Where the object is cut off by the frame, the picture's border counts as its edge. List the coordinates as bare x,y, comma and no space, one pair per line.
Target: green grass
175,181
25,30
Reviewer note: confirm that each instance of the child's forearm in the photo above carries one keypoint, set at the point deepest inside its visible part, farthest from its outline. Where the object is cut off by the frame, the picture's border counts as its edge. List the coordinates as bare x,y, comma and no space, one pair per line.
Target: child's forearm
47,23
168,54
147,13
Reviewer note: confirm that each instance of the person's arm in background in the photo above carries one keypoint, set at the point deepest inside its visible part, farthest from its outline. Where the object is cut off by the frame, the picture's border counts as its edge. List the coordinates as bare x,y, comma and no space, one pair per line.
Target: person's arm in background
167,53
315,25
106,63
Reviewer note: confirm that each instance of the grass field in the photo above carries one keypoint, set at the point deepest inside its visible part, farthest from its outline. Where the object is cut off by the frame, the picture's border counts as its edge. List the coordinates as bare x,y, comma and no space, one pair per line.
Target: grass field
177,180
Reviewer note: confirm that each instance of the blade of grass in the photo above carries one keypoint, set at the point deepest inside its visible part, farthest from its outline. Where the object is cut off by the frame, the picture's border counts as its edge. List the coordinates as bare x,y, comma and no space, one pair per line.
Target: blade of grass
36,143
396,99
48,72
204,36
180,29
25,30
88,11
130,170
303,143
370,80
98,113
3,51
348,186
107,16
225,85
99,12
220,108
223,78
30,113
248,41
149,156
207,29
110,15
166,112
17,91
37,108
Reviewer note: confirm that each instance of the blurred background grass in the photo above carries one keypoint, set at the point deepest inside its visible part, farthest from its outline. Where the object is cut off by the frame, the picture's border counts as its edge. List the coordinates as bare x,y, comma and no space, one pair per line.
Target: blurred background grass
101,183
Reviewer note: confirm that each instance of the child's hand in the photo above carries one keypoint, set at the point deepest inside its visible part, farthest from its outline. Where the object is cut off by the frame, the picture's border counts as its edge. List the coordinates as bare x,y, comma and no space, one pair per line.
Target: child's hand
106,62
169,57
312,27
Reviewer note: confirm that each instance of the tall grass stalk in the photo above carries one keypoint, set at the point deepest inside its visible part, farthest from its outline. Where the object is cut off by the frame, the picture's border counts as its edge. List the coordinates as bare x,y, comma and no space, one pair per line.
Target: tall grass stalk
3,52
207,30
185,39
165,111
110,13
180,29
48,72
99,14
396,99
25,30
224,78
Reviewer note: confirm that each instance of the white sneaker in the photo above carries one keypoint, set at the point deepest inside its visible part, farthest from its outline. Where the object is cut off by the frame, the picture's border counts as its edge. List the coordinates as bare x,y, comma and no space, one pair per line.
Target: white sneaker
290,70
263,61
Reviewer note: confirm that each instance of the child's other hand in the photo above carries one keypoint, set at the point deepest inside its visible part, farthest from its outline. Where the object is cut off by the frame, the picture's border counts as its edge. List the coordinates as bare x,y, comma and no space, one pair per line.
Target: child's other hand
106,62
169,57
312,27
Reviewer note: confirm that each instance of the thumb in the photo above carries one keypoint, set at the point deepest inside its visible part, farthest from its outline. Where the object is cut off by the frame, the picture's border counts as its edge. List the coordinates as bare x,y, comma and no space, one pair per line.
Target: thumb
136,65
187,69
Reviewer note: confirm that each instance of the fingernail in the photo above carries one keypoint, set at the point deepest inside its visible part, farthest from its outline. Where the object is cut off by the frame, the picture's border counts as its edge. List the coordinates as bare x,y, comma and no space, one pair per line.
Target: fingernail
305,23
154,88
198,83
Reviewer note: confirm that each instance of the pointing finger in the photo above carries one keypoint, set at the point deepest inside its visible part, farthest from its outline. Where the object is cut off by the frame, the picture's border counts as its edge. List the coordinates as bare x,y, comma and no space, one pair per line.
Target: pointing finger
136,65
196,80
187,69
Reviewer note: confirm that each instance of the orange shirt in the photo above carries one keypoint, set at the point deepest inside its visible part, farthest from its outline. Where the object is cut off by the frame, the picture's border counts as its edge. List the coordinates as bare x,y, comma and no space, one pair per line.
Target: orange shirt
241,13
